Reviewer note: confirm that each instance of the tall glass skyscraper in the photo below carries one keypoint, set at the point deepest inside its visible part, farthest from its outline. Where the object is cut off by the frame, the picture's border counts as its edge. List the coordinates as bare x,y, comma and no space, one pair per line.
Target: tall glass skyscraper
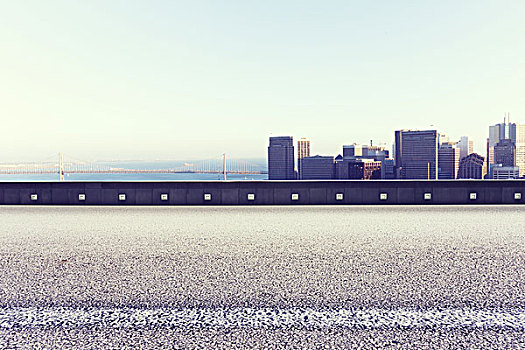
507,131
520,148
466,147
281,158
416,155
505,153
303,150
448,161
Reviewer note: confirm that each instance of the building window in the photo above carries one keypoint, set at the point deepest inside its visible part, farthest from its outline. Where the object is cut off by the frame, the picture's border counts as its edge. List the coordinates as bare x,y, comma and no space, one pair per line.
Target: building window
34,196
517,196
383,196
251,196
207,196
122,197
473,196
164,197
427,196
295,196
81,196
339,196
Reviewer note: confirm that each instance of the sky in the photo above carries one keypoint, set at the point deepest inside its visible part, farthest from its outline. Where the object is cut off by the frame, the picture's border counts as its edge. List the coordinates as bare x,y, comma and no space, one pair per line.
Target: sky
195,79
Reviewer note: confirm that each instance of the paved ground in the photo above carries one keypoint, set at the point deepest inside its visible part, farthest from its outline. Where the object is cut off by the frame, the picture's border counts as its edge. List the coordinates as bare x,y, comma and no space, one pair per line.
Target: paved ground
271,277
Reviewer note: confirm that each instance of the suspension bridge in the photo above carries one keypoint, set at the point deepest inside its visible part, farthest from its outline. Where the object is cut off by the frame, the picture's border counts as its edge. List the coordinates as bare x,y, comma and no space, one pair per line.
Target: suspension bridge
68,165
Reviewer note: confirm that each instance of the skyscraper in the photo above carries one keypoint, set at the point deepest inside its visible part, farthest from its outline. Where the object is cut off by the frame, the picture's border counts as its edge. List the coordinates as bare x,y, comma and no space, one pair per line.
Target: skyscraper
281,158
466,146
448,161
443,138
318,168
505,153
303,150
416,155
472,167
498,132
520,148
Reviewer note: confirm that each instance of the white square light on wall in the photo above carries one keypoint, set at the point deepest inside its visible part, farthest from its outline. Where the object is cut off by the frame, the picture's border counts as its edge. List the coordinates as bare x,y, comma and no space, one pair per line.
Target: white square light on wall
34,196
473,196
251,196
517,195
81,196
164,197
338,196
383,196
295,196
122,197
427,196
207,196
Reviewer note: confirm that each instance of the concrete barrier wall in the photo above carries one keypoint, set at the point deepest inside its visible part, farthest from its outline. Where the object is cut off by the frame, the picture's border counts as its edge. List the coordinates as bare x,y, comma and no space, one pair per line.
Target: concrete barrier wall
263,192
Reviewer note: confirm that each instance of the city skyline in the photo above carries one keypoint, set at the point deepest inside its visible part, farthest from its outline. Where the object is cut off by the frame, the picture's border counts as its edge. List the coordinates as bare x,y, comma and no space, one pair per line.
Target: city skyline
416,154
162,79
464,143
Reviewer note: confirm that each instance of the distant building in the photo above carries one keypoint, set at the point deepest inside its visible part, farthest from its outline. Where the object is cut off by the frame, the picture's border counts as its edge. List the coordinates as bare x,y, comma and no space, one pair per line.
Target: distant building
387,169
520,148
472,167
354,151
303,150
466,146
499,172
364,169
497,133
416,154
505,153
341,168
448,161
443,138
318,168
360,161
281,158
377,153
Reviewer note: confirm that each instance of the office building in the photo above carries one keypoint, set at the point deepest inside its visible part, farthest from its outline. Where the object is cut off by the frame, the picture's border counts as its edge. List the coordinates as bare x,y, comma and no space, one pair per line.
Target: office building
472,166
362,159
443,138
398,145
520,148
354,151
281,158
318,168
303,150
505,153
387,169
364,169
341,168
377,153
498,132
499,172
448,161
416,154
466,146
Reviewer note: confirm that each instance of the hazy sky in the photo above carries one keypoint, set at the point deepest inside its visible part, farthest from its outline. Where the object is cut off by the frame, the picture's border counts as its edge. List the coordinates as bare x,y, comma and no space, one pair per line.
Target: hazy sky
193,79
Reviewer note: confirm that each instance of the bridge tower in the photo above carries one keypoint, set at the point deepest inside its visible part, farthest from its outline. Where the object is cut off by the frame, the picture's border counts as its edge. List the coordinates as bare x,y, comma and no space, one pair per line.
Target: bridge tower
224,165
61,167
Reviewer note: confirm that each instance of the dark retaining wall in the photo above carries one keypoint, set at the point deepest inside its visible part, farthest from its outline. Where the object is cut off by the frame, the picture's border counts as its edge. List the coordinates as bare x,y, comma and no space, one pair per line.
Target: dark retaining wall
265,192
